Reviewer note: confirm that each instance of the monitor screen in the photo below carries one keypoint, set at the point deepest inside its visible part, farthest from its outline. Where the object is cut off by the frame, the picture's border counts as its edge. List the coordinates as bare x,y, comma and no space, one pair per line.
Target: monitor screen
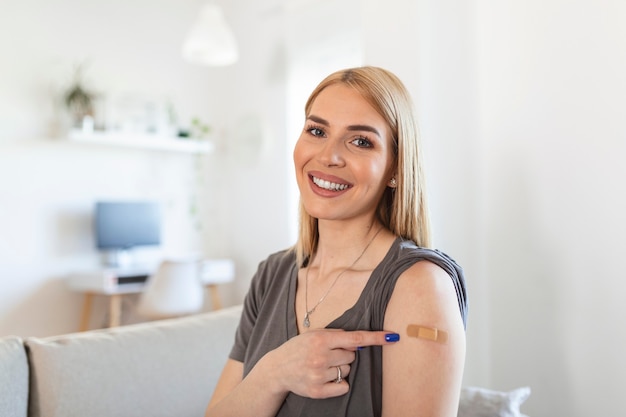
126,224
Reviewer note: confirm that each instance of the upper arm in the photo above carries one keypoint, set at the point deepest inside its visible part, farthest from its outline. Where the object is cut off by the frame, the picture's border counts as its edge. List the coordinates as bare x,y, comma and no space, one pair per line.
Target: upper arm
420,376
231,376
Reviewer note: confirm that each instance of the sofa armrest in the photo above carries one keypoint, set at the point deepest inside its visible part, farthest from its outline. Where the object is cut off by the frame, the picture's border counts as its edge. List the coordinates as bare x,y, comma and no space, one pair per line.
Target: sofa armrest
13,378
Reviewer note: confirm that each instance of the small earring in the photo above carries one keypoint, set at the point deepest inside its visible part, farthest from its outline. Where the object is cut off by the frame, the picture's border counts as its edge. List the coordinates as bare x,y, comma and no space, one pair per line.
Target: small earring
393,183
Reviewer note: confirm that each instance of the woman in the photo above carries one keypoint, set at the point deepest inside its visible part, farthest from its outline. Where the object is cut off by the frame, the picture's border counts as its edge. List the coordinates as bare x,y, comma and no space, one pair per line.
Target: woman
343,324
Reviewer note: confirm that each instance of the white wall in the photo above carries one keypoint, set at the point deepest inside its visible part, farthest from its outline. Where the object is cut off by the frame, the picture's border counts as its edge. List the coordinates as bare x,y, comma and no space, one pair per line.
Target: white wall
254,173
522,107
553,108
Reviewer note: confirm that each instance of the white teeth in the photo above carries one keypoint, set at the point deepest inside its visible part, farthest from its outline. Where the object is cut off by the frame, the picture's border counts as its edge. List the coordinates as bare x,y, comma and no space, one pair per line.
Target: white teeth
327,185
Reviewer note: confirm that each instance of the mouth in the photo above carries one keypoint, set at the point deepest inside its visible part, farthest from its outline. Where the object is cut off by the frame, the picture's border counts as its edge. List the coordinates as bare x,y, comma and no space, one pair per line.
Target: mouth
328,185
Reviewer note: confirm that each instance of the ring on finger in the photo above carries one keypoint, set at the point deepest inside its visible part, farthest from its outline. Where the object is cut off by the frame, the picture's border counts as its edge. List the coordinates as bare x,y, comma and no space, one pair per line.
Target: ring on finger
339,377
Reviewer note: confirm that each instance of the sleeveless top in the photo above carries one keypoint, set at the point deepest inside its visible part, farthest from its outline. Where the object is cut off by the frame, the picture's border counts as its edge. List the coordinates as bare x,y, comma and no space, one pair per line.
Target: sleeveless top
269,320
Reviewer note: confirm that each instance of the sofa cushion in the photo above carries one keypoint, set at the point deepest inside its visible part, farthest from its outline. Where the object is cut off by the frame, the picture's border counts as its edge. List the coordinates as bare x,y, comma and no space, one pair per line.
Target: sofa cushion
164,368
13,378
483,402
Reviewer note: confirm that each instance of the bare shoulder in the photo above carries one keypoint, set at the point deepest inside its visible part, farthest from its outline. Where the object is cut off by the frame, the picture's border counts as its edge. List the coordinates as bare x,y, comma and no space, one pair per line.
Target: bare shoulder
424,290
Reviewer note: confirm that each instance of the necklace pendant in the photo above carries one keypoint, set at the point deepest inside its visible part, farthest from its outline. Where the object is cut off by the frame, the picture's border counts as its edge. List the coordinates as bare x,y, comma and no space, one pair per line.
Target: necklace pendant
306,321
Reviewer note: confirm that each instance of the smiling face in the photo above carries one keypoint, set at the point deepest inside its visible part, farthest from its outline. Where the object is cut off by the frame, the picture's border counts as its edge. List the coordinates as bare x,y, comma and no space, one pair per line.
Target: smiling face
344,157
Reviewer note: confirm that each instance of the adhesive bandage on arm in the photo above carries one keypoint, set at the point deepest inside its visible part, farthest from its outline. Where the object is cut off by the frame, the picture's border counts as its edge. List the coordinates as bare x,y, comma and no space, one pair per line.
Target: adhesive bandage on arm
429,333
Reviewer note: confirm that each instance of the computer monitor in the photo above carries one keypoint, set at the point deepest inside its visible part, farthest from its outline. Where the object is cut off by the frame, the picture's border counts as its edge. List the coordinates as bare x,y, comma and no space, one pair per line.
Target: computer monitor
123,225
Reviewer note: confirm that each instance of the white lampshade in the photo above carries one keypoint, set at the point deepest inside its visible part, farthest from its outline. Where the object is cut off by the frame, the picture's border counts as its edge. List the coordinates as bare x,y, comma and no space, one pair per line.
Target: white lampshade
210,41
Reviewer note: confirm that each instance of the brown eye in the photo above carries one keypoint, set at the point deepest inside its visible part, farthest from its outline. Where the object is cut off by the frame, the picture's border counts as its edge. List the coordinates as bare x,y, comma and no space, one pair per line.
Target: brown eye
362,142
315,131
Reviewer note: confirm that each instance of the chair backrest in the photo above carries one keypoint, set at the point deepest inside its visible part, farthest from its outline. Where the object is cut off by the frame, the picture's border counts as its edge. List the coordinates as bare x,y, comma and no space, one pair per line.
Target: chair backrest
173,290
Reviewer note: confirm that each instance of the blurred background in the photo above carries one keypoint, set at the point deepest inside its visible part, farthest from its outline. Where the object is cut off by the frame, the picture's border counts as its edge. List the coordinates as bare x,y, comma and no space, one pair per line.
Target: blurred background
521,107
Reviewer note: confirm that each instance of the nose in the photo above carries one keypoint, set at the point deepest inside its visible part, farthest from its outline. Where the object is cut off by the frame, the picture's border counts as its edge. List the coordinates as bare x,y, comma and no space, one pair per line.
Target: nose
331,153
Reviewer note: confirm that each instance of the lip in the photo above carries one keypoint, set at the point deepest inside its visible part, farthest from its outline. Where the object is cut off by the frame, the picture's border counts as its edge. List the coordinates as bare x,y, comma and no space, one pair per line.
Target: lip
330,178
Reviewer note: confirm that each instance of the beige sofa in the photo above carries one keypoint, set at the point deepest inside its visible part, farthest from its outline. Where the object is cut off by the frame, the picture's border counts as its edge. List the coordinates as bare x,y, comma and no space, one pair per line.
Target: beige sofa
162,368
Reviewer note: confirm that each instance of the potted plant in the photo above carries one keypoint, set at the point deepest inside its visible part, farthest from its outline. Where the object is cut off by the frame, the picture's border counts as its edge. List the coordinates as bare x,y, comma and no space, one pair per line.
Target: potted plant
79,101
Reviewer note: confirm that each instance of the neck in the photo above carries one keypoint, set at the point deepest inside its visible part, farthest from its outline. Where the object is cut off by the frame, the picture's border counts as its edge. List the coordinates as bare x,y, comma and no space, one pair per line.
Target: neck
340,246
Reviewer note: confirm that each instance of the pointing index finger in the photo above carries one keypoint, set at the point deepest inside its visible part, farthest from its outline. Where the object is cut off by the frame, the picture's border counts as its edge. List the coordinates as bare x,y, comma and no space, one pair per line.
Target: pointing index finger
360,338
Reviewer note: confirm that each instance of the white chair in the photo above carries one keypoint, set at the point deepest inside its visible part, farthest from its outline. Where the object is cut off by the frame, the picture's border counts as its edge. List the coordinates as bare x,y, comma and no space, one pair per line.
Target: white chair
173,290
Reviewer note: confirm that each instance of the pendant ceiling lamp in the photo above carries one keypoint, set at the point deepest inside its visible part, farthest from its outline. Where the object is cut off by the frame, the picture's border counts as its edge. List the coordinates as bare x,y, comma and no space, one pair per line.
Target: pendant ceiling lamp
210,41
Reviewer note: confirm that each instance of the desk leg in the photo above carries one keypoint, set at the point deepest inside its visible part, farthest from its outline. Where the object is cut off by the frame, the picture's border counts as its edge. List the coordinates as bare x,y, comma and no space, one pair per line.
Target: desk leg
86,314
216,303
115,310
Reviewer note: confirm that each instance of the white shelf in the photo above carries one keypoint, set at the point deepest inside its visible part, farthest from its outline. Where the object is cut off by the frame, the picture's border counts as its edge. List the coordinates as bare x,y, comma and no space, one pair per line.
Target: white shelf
144,141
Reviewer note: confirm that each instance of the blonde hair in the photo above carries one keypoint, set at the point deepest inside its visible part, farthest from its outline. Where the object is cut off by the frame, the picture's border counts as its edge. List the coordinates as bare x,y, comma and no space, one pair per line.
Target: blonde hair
403,209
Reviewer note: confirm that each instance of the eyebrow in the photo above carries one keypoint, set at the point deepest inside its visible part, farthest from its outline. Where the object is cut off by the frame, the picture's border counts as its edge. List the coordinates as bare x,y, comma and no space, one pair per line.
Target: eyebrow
366,128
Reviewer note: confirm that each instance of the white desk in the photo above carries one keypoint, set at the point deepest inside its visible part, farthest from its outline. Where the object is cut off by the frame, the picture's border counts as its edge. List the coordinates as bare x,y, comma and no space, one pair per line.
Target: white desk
114,284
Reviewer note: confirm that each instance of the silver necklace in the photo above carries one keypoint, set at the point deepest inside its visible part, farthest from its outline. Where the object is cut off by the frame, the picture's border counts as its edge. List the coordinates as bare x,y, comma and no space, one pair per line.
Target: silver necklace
306,322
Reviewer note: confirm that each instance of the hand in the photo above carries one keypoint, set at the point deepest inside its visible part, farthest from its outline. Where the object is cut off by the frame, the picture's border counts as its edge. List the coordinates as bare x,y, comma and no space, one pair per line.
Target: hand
307,364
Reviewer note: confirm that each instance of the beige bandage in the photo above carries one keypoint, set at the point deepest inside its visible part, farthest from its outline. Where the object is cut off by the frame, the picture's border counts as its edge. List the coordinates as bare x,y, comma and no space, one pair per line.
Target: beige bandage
429,333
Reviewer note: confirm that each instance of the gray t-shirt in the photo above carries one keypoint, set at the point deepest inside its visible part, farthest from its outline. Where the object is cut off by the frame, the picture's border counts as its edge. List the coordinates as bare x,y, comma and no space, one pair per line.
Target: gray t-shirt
269,320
